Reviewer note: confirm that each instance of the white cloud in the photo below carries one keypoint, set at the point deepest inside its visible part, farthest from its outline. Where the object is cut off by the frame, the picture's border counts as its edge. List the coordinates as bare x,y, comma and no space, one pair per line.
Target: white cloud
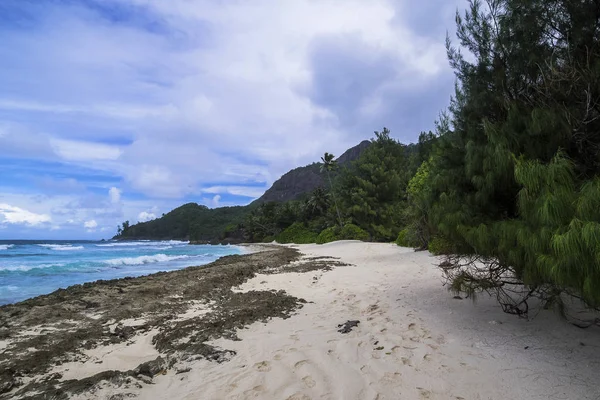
91,224
246,191
125,111
114,194
72,150
195,95
145,216
218,100
15,215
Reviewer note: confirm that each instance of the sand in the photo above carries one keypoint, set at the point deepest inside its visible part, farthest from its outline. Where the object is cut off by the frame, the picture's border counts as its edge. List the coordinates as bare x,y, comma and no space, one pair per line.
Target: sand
414,341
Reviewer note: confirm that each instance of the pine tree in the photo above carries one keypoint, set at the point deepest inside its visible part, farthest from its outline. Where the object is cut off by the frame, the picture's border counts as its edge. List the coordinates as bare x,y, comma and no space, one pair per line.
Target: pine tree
501,191
373,190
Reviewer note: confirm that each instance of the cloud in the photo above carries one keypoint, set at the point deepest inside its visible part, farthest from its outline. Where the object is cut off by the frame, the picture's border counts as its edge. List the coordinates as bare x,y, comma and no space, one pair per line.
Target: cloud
71,150
216,200
245,191
145,216
173,101
15,215
91,224
114,194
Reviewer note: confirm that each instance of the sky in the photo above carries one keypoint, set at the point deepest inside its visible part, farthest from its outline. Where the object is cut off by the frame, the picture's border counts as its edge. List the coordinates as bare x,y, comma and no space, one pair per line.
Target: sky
114,110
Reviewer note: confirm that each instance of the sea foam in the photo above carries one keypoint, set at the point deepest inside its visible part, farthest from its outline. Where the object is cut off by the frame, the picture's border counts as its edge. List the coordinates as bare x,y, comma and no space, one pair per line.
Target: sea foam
61,247
144,259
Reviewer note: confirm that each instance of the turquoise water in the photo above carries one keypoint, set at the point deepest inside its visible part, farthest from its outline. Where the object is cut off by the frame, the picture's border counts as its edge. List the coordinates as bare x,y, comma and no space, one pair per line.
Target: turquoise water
32,268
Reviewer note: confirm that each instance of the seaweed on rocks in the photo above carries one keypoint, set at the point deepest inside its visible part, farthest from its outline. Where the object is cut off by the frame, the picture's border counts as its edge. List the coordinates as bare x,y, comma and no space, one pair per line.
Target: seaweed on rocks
47,331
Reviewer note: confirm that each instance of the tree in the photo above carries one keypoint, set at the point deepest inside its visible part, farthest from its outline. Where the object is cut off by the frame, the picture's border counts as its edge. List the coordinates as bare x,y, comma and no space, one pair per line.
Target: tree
373,189
518,148
329,164
317,203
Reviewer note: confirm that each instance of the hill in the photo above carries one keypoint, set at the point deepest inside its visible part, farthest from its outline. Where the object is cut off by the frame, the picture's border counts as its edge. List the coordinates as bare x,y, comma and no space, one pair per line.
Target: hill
202,224
302,180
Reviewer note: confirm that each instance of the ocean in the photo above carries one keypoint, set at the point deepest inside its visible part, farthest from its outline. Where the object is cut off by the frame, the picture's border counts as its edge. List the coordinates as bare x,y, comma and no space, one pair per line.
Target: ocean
32,268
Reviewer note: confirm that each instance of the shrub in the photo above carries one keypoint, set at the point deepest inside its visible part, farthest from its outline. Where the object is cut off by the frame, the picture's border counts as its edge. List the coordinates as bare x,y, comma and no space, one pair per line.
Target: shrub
296,233
348,232
329,235
402,240
406,238
353,232
268,239
439,245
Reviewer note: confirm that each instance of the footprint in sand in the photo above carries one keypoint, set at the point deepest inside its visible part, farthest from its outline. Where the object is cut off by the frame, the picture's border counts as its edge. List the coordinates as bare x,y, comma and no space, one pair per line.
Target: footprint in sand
254,391
277,357
390,378
300,363
372,308
263,366
309,381
299,396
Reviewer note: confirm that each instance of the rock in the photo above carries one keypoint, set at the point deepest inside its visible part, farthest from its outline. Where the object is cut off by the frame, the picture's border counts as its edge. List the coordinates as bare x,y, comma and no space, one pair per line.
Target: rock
151,368
182,371
124,332
145,379
347,326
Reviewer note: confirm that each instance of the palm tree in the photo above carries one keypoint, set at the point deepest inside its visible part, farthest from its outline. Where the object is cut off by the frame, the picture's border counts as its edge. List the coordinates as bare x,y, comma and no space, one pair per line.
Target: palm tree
329,164
318,201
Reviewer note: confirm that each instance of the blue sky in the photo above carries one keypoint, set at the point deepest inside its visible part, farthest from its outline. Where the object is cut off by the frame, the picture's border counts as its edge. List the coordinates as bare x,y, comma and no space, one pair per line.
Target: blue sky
124,109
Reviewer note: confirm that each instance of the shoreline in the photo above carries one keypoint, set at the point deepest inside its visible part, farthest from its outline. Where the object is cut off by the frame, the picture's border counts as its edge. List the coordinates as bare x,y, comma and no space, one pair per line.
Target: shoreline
265,325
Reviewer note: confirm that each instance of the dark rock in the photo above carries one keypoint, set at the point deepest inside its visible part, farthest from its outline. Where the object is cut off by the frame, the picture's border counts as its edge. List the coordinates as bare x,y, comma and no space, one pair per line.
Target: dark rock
347,326
182,371
151,368
6,385
124,332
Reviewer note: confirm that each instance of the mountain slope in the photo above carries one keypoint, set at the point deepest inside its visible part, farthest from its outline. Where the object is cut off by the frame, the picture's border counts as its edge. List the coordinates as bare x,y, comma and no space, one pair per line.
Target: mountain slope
199,223
301,180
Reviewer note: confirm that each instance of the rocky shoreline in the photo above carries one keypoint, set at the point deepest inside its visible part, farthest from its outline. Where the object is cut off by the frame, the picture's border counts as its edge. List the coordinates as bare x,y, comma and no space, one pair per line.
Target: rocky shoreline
179,312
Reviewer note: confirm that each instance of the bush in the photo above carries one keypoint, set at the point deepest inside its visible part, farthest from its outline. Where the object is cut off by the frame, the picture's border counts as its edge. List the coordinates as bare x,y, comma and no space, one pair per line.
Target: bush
268,239
329,235
402,240
353,232
348,232
439,245
296,233
406,238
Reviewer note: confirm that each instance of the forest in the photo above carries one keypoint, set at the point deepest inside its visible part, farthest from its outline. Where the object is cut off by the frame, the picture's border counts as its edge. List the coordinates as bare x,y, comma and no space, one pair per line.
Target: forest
507,187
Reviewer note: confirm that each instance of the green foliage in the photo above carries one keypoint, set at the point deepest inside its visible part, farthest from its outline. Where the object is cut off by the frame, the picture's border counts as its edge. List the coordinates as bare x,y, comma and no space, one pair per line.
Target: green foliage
188,222
297,233
372,191
406,238
348,232
511,182
438,245
353,232
330,234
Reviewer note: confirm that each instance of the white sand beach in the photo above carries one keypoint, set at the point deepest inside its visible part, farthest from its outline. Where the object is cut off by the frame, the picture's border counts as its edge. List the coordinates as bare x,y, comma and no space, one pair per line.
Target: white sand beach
414,341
